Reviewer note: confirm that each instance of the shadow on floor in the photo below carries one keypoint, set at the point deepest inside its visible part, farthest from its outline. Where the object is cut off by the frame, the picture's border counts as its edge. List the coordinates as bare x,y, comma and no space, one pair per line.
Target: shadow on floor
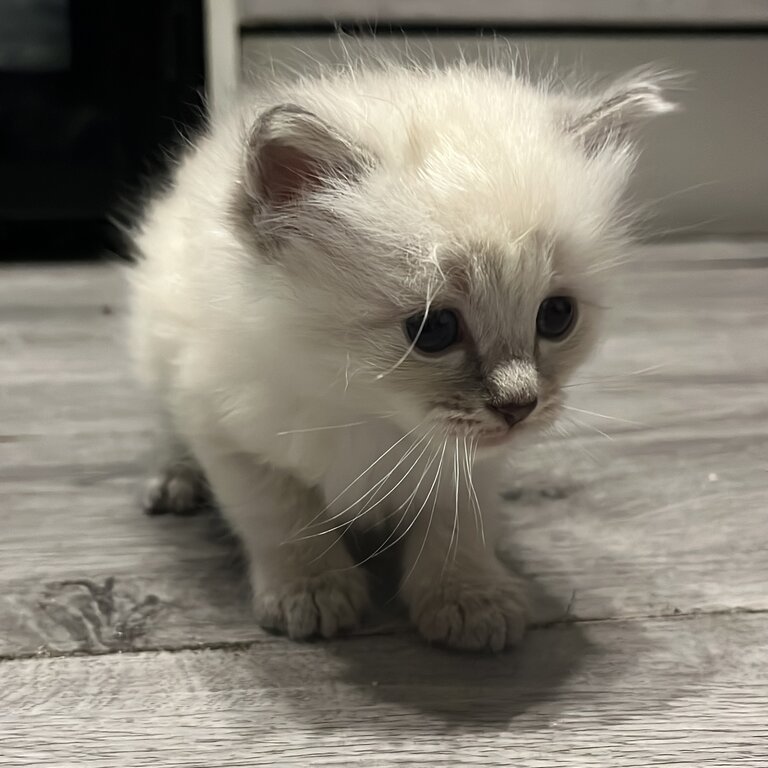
389,671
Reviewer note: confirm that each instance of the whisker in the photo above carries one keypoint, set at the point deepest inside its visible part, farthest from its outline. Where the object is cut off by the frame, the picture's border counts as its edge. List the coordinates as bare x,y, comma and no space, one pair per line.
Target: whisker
465,469
320,429
455,529
456,500
368,508
604,416
474,452
385,545
346,373
412,345
564,433
471,484
649,205
367,469
318,515
618,379
410,496
438,478
648,369
586,424
346,525
404,356
371,491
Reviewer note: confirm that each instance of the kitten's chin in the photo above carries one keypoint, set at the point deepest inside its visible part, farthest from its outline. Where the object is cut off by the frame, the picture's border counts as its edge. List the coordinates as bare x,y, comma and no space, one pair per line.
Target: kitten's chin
495,442
498,438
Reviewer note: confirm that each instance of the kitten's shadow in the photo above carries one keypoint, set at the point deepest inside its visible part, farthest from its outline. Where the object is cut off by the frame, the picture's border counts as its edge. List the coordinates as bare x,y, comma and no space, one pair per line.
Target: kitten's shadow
394,672
395,668
464,691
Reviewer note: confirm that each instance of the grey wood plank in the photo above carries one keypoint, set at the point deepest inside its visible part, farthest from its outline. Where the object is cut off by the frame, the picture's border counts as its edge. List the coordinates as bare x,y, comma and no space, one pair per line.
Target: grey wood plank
624,694
660,516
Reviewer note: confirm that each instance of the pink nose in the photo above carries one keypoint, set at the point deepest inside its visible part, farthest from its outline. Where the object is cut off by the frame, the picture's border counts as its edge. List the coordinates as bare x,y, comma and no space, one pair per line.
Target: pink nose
514,413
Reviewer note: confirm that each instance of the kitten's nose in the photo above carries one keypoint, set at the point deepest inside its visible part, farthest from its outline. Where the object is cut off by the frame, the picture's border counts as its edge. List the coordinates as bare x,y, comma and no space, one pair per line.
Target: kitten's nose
514,413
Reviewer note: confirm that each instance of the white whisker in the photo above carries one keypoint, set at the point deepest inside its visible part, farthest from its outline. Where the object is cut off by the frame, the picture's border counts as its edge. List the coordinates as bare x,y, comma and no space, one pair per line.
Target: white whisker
410,497
385,545
586,424
347,524
619,379
346,373
436,483
471,484
455,529
367,469
371,491
465,469
320,429
562,431
412,345
369,506
603,416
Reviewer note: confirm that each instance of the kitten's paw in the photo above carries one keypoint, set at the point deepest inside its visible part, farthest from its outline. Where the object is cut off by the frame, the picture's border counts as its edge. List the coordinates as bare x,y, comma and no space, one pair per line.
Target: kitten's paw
469,613
179,490
326,604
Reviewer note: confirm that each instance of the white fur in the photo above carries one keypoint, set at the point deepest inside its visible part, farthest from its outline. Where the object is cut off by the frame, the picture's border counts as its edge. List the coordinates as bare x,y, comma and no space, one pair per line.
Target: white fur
261,348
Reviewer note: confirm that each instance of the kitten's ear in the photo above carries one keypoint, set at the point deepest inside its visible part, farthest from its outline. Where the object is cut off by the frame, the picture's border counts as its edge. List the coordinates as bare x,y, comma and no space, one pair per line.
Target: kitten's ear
609,120
292,152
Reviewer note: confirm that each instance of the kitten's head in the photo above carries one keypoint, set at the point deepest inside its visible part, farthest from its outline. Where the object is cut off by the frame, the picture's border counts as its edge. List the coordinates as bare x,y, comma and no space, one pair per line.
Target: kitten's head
445,234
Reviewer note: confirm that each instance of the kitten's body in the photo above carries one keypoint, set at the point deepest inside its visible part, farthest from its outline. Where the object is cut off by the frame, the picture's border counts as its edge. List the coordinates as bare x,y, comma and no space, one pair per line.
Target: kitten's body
269,304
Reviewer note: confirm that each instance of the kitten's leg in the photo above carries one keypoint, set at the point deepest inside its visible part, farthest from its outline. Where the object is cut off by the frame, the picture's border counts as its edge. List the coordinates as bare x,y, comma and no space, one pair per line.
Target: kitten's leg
179,486
457,591
301,586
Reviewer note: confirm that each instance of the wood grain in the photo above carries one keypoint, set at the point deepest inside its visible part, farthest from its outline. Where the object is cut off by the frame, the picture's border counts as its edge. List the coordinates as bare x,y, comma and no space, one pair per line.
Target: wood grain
627,693
662,515
644,532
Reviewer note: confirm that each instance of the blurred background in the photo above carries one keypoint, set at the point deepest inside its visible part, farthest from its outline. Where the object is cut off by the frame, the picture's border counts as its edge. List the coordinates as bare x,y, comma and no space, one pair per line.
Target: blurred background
92,97
97,95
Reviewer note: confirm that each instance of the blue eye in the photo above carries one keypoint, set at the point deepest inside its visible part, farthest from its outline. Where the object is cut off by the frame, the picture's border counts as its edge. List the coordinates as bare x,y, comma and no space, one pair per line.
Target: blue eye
555,317
435,333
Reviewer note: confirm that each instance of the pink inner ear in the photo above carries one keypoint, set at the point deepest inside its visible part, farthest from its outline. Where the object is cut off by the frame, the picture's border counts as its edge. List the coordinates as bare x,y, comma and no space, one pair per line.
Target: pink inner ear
286,172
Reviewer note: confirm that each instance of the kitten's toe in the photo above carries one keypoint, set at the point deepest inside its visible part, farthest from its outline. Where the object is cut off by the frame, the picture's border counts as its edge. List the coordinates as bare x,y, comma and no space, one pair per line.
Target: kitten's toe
471,614
326,605
179,490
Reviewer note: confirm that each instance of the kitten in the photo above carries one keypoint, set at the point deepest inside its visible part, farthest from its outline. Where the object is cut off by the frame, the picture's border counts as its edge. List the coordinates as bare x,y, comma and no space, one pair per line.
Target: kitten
359,291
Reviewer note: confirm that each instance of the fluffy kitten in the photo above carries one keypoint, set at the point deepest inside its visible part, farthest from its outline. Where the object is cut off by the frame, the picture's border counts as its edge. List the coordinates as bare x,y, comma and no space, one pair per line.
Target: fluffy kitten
358,292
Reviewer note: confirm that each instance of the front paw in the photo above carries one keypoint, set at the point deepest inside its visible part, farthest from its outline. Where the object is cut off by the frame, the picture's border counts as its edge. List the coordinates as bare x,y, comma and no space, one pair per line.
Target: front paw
179,489
325,604
470,613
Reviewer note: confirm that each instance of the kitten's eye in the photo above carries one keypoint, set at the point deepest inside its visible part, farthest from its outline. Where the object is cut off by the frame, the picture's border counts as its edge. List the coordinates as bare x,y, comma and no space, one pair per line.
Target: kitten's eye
555,317
440,330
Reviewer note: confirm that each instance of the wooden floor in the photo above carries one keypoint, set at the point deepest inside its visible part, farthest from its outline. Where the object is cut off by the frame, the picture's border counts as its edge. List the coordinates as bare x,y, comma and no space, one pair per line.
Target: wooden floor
127,640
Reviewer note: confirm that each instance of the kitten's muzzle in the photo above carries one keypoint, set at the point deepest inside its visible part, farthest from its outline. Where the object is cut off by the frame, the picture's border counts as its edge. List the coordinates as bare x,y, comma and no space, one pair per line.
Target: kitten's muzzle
514,412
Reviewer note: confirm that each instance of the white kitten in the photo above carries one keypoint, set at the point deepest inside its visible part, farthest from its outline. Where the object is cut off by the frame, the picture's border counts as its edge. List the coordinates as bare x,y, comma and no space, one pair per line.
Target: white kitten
357,289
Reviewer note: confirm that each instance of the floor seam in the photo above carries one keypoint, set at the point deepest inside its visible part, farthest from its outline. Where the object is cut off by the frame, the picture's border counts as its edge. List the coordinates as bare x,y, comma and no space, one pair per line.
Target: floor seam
399,631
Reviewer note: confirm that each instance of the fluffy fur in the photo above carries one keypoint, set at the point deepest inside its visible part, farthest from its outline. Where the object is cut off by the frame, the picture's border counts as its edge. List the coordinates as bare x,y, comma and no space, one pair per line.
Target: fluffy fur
269,303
